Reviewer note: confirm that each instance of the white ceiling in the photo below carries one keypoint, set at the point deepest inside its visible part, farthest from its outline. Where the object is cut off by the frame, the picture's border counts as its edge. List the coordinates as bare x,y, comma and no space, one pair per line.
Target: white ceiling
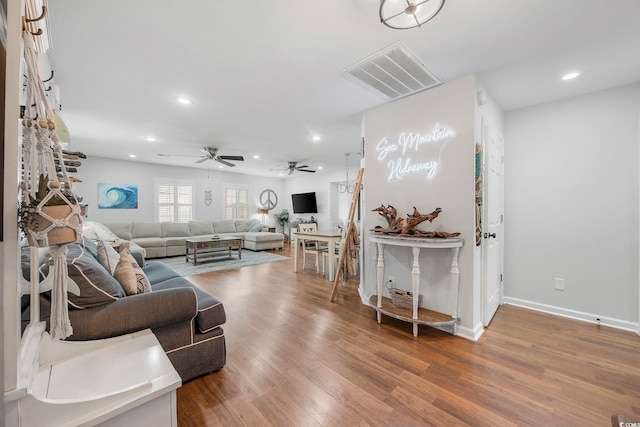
265,76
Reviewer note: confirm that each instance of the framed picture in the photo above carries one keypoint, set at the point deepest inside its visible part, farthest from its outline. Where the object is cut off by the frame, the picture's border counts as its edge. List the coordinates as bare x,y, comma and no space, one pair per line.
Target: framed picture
117,196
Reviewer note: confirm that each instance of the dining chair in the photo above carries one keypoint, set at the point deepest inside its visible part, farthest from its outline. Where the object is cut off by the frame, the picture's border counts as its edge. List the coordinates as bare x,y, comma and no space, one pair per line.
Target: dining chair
310,246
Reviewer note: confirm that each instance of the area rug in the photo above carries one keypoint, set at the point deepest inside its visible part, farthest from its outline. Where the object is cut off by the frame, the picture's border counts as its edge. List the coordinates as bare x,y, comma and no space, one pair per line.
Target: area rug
183,268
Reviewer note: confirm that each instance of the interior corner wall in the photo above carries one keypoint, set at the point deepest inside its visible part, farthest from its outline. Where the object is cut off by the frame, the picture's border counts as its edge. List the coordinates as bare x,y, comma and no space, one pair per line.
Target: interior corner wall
571,191
452,189
96,170
320,183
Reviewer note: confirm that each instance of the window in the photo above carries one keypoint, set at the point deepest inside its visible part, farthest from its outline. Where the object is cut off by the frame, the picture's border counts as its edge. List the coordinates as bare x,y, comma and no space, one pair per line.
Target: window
236,202
174,200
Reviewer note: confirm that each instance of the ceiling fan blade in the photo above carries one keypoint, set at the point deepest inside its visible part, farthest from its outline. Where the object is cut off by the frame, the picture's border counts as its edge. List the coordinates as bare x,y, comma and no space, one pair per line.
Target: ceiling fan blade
290,171
224,162
177,155
236,158
306,170
302,166
202,160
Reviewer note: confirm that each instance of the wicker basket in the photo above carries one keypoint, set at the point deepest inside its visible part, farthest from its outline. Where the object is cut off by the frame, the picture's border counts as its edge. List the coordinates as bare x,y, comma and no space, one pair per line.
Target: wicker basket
401,298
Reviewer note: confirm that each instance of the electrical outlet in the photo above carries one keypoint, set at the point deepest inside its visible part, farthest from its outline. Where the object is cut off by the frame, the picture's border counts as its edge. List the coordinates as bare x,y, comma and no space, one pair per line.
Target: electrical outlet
559,284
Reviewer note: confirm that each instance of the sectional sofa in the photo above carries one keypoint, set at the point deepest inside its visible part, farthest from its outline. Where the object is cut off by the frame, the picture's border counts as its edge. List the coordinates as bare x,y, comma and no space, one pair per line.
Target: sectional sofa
165,239
186,320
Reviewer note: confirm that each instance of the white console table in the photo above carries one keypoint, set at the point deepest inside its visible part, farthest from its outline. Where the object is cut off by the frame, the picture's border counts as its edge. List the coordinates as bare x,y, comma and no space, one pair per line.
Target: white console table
416,315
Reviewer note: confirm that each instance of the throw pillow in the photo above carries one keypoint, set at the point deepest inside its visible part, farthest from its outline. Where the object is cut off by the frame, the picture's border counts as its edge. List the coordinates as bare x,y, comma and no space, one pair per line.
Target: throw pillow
90,284
130,275
108,256
254,226
90,246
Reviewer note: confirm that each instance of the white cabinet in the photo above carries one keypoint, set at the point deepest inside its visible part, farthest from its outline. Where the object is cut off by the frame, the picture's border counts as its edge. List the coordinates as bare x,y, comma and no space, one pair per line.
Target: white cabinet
120,381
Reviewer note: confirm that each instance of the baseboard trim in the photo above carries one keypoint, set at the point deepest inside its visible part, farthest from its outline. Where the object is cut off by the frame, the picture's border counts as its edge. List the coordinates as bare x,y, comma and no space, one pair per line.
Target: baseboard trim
573,314
470,334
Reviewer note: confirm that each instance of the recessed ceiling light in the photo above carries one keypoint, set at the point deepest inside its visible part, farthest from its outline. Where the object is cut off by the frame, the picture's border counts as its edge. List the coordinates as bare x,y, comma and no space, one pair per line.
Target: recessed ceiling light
151,138
279,174
133,156
256,157
570,76
221,166
319,167
183,100
316,138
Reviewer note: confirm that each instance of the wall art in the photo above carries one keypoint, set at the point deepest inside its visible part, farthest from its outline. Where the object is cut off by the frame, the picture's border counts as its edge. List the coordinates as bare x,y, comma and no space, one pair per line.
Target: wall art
117,196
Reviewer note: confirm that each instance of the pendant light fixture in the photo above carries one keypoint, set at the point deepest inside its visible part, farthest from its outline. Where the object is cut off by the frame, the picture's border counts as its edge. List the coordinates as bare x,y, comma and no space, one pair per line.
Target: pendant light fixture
345,186
405,14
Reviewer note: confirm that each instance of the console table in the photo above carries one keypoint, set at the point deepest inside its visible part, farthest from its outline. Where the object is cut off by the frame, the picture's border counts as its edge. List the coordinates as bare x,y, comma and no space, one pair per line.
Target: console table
416,315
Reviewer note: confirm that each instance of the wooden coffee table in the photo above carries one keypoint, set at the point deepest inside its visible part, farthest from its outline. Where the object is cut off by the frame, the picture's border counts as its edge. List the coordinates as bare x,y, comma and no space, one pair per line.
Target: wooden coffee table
212,247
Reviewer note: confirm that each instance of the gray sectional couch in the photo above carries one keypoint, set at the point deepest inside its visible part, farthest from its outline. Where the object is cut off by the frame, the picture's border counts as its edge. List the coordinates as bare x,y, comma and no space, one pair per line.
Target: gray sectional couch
164,239
185,319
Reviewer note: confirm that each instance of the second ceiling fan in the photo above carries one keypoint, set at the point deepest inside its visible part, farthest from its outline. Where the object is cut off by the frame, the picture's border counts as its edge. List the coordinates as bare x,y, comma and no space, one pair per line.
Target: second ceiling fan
293,167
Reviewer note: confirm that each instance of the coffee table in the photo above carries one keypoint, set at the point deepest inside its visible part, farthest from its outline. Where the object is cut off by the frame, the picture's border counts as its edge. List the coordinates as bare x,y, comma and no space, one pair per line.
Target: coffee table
212,247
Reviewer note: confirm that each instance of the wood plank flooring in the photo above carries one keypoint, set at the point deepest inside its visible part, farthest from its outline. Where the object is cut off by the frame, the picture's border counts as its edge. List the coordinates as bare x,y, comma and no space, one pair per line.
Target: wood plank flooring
296,359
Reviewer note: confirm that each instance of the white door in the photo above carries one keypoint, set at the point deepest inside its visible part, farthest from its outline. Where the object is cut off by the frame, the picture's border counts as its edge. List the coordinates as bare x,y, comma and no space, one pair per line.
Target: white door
493,227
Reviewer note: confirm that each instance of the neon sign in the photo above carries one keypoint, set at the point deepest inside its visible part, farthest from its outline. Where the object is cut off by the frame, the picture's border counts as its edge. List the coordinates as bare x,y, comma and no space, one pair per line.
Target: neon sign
397,150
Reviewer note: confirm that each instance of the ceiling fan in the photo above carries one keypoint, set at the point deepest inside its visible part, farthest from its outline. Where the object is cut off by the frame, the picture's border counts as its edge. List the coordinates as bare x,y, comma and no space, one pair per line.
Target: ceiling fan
211,153
293,166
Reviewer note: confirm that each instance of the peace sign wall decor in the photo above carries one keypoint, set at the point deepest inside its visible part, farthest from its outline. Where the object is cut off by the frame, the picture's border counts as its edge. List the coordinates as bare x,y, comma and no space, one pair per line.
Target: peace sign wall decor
268,199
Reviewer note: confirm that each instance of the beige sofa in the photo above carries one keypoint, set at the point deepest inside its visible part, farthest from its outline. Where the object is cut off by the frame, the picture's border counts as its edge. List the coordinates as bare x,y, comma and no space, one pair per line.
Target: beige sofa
163,239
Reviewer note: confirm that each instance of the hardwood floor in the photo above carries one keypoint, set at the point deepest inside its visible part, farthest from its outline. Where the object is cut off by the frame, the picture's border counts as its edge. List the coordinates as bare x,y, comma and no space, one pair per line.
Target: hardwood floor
295,359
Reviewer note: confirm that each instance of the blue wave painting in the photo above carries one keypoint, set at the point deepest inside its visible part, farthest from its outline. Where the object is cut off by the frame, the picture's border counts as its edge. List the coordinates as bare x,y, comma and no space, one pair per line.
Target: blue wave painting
117,196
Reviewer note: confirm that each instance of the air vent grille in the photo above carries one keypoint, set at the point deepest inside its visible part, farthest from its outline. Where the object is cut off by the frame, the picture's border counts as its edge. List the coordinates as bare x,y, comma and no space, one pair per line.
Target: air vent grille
395,72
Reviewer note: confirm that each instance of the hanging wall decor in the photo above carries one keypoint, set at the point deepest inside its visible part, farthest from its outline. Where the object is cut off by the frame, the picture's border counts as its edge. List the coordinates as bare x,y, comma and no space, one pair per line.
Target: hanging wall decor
49,213
208,197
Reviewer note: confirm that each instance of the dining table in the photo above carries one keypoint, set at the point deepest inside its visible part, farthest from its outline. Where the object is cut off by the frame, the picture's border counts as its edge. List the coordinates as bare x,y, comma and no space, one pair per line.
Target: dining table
328,236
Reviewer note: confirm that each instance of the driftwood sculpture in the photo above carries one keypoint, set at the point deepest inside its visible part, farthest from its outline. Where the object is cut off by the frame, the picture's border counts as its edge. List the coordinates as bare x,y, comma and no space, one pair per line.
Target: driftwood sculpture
407,226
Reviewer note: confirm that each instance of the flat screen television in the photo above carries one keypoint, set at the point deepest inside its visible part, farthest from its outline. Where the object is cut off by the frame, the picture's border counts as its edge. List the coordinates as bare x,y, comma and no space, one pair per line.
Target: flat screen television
304,203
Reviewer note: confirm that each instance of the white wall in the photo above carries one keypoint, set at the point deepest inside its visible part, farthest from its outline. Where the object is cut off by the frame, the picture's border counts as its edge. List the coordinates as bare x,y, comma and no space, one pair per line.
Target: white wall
320,183
102,170
572,206
451,104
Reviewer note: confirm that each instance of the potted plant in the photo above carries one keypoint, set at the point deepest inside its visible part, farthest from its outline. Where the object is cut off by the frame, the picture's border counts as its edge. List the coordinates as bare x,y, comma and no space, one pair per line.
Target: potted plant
42,226
282,218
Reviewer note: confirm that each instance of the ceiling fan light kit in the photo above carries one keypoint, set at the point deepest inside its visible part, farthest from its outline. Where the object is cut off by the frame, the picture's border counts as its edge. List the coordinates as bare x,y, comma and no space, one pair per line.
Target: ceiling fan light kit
406,14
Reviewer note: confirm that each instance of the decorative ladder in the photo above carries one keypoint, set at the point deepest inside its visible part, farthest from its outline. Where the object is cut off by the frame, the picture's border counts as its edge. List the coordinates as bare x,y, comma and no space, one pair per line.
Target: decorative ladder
350,236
